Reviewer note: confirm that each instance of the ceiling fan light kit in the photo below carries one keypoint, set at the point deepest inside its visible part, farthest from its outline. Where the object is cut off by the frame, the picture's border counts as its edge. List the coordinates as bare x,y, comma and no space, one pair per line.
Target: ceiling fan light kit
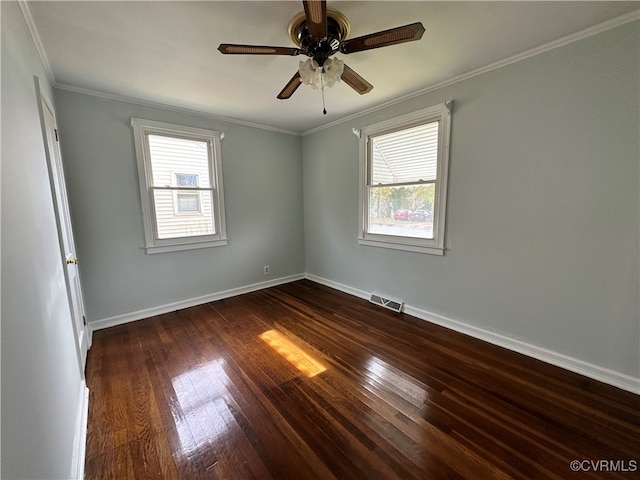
326,76
320,33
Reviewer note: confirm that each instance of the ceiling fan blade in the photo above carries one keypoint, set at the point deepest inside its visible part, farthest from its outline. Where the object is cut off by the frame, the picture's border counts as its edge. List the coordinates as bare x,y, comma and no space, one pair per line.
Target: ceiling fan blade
290,87
393,36
355,81
233,49
316,13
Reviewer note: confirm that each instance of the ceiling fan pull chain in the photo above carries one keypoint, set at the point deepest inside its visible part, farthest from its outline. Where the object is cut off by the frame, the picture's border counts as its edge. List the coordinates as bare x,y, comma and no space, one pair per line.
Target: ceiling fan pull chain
324,109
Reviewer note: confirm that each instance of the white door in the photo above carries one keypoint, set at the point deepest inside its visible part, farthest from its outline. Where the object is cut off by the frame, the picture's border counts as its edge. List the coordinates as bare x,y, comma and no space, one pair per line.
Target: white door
65,233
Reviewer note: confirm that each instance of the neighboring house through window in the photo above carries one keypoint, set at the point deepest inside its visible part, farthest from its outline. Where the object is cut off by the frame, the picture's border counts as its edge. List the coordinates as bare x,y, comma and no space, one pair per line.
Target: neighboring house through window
187,203
403,181
180,174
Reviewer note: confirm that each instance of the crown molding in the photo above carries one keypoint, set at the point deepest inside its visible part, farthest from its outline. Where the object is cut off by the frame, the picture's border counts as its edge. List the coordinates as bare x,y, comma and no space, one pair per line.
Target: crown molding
561,42
35,36
26,13
147,103
588,32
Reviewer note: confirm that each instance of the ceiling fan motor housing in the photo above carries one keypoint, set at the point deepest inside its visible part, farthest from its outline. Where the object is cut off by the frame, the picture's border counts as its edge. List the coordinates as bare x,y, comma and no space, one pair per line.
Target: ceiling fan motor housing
320,49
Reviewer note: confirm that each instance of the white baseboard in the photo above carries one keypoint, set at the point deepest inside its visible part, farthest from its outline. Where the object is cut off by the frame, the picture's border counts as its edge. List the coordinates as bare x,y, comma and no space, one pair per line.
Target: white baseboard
611,377
80,440
605,375
338,286
190,302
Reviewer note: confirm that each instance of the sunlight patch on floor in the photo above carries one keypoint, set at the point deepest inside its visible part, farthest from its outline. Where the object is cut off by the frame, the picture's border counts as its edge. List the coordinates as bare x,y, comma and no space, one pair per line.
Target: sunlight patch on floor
292,353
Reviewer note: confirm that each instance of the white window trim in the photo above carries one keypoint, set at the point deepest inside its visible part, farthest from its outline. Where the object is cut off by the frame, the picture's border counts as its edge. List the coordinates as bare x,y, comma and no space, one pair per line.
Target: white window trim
435,246
153,244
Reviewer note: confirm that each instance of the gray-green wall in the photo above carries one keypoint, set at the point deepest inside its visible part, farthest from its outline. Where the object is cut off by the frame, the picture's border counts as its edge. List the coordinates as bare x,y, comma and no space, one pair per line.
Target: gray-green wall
543,207
42,386
262,173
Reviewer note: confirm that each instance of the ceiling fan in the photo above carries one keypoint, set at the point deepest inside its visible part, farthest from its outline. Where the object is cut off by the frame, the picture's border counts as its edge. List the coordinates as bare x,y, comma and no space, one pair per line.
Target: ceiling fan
319,33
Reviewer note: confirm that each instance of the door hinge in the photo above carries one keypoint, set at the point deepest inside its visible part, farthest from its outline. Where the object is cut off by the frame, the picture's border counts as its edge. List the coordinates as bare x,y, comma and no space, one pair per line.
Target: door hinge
56,131
84,320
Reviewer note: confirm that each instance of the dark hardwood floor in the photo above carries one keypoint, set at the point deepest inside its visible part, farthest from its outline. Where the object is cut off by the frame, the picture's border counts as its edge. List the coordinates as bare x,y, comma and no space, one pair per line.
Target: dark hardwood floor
301,381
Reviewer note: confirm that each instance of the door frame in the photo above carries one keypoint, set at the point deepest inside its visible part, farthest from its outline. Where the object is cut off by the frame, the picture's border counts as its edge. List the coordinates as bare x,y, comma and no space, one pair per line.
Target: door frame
82,334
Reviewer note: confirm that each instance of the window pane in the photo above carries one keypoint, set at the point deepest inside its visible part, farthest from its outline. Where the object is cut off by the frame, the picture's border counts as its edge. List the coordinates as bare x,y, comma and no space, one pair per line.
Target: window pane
405,211
405,156
183,180
170,154
171,224
188,202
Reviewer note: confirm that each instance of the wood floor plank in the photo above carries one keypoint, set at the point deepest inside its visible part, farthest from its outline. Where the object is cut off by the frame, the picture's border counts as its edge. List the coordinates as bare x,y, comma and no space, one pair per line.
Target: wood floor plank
302,381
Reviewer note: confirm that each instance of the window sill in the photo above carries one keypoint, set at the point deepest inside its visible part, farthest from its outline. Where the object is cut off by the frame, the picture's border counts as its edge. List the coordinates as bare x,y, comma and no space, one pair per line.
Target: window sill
408,247
151,249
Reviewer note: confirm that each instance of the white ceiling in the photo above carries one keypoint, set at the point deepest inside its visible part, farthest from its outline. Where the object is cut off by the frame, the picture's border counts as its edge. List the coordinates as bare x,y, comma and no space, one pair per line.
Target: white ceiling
166,52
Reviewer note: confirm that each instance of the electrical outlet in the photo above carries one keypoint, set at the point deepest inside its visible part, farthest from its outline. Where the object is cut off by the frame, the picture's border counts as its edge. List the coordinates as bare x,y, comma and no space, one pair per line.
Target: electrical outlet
267,269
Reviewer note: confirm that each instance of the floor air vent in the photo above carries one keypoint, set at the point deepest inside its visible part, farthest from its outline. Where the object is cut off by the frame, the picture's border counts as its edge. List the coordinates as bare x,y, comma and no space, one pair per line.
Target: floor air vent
395,305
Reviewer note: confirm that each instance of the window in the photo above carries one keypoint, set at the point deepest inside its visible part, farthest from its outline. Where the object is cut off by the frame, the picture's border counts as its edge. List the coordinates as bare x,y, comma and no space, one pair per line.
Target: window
403,181
180,173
